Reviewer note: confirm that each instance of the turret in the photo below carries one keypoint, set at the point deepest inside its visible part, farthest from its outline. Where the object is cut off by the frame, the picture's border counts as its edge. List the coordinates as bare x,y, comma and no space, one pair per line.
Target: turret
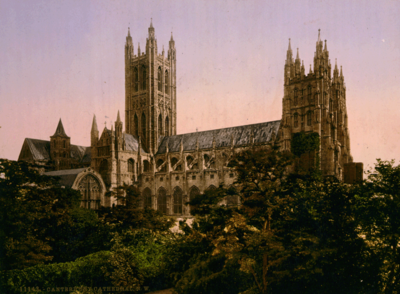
60,148
297,63
128,47
288,63
94,133
118,133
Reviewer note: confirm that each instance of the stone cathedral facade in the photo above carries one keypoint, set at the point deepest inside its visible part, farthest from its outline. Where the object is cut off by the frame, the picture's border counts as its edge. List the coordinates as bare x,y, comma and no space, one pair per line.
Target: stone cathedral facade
170,169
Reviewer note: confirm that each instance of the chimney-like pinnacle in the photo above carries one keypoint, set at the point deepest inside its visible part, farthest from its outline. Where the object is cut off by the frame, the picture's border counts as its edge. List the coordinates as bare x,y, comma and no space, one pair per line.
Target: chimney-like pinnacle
94,124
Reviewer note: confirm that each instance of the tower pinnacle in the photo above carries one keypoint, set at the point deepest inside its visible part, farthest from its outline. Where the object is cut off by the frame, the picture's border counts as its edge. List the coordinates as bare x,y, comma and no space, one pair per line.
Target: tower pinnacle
60,130
94,124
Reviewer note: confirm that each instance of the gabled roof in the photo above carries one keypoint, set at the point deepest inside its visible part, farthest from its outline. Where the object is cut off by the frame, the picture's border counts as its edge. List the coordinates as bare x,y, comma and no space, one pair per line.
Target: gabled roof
67,176
60,130
132,143
241,135
40,150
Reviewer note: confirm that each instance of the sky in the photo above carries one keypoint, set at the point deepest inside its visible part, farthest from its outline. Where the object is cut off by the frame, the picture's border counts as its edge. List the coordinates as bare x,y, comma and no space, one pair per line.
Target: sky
65,59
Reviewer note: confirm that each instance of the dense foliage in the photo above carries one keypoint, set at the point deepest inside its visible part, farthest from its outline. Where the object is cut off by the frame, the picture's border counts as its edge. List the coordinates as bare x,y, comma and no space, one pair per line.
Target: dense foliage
305,142
290,233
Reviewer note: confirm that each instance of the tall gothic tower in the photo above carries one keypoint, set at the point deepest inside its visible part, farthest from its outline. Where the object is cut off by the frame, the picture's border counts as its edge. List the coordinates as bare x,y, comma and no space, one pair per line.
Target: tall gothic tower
150,91
316,102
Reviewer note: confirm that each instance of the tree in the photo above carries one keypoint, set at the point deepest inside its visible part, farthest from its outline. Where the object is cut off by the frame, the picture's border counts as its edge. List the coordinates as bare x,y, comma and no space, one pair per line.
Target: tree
379,210
30,204
292,232
130,215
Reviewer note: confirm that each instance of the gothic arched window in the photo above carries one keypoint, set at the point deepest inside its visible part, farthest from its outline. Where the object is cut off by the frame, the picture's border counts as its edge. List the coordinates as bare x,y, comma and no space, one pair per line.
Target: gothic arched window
146,166
104,170
330,105
91,192
194,192
64,144
135,125
136,79
166,83
296,120
159,79
131,165
296,96
162,200
144,78
167,126
147,203
178,200
143,122
309,118
309,94
160,126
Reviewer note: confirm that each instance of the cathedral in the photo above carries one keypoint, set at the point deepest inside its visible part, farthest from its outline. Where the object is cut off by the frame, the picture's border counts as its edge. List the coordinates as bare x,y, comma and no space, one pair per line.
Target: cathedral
170,168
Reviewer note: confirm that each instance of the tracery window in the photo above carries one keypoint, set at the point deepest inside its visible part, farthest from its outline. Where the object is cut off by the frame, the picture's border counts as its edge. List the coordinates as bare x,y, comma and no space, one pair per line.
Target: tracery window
178,200
296,120
162,201
104,170
146,166
147,203
143,78
194,192
167,126
131,165
295,96
143,123
309,118
166,83
160,126
136,79
91,192
135,125
159,79
309,94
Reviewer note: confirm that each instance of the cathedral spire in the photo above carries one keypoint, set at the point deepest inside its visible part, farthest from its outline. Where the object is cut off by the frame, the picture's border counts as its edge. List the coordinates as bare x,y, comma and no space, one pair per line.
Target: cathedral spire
289,54
118,117
326,47
129,31
319,35
151,30
60,130
94,124
310,70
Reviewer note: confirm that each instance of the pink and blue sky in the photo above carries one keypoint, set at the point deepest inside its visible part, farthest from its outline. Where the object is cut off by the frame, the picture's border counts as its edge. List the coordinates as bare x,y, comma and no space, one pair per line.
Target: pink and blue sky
65,59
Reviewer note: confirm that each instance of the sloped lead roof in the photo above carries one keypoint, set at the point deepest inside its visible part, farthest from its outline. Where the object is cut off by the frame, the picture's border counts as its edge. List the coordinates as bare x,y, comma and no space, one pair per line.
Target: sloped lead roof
262,133
131,143
40,150
67,176
60,130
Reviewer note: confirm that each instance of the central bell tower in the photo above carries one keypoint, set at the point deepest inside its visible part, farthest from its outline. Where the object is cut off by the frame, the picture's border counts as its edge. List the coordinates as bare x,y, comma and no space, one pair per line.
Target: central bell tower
150,91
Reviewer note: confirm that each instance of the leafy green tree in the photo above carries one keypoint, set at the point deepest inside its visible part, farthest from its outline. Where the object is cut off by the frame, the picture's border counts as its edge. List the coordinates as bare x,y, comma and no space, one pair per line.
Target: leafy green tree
130,215
379,208
30,204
